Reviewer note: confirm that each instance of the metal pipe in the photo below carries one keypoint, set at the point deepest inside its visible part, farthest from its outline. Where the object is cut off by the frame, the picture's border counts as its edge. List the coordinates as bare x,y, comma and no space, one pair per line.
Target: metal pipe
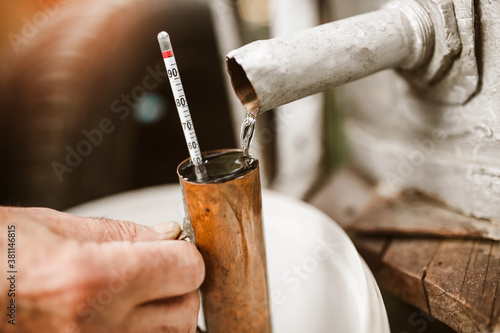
270,73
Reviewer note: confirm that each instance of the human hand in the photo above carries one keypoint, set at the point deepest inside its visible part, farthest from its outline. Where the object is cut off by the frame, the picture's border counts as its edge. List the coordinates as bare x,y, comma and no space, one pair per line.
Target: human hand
78,275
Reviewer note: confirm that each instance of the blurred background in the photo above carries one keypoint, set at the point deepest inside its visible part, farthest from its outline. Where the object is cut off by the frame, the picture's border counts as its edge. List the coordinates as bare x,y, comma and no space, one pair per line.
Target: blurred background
70,67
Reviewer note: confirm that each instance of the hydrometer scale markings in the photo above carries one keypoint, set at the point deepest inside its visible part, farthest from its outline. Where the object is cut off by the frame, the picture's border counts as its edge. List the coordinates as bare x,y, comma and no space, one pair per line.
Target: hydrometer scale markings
181,102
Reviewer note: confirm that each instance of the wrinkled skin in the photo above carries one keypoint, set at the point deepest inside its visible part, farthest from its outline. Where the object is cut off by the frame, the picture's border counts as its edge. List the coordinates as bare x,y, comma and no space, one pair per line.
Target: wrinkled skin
83,275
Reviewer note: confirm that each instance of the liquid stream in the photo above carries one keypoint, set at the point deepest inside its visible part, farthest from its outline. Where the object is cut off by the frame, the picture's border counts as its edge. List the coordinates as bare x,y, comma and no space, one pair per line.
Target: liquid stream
247,133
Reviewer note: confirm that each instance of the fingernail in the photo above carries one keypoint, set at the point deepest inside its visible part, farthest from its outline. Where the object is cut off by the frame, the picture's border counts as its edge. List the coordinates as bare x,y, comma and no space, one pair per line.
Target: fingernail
168,230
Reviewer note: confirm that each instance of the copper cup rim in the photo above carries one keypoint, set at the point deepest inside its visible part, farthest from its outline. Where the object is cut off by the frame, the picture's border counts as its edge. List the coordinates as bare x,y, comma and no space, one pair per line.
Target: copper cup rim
210,153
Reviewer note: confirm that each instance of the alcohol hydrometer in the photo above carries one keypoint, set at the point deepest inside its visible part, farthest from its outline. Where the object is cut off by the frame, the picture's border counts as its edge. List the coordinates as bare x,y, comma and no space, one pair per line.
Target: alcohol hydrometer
182,105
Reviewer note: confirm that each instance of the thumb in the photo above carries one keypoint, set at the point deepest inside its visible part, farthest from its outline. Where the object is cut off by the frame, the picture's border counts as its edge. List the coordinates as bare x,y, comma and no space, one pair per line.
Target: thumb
101,229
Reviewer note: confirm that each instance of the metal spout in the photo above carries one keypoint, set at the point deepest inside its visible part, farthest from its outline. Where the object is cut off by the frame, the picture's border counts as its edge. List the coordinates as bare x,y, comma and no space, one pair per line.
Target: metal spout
267,74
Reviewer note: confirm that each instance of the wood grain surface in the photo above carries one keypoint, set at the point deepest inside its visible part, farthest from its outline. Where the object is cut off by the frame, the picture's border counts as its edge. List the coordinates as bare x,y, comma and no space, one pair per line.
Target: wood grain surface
455,280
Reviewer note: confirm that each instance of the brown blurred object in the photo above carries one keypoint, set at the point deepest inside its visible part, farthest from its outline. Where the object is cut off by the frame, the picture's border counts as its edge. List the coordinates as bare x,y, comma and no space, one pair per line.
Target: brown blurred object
227,220
83,72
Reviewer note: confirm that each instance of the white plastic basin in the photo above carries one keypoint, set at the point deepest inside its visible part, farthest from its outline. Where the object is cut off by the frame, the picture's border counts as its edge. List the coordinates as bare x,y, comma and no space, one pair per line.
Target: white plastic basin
317,280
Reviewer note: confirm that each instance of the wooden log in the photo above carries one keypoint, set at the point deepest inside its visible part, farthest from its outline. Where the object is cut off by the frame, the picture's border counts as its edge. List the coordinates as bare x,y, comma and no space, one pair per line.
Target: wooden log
454,280
371,249
444,283
404,266
472,292
491,293
414,214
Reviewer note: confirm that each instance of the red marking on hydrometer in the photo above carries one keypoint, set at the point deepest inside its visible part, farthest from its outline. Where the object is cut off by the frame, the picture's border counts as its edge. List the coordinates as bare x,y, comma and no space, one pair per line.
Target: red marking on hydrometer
168,54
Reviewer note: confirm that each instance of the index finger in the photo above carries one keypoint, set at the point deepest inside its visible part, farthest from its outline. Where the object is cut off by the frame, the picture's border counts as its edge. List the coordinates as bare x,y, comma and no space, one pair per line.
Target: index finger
98,229
147,271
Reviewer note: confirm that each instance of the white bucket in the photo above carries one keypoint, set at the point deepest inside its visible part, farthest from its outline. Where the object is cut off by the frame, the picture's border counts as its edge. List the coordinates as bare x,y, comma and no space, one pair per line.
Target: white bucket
317,281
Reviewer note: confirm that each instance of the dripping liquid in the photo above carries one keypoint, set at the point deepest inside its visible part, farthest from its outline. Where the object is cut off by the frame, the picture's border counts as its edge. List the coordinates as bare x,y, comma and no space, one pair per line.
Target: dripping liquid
247,133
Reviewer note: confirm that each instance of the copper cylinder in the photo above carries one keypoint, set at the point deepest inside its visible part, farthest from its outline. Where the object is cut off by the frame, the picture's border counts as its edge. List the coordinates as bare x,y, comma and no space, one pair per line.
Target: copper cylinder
226,217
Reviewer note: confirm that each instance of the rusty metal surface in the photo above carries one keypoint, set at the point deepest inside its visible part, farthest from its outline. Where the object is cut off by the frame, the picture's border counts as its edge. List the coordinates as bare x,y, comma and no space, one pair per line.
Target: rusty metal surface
227,220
